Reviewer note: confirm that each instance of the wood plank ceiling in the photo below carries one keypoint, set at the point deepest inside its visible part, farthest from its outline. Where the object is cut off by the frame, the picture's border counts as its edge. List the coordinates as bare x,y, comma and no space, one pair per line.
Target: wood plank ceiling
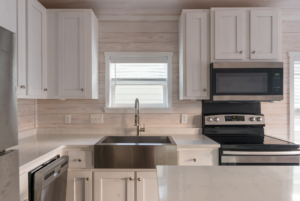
166,4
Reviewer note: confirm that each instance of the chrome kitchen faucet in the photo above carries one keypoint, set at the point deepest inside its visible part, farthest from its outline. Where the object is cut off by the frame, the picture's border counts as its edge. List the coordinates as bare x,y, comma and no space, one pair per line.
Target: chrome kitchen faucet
137,117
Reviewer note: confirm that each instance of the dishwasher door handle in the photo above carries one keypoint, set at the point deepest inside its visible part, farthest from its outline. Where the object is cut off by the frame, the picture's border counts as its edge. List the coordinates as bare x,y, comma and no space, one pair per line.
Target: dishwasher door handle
262,153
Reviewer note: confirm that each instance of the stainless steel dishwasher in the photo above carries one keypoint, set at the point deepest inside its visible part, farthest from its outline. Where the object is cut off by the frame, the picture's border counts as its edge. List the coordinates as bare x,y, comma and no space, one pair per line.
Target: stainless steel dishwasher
48,182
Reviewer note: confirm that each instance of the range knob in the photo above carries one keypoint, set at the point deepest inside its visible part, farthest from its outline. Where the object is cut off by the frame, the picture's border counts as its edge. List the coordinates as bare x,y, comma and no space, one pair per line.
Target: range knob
252,119
217,119
209,119
259,119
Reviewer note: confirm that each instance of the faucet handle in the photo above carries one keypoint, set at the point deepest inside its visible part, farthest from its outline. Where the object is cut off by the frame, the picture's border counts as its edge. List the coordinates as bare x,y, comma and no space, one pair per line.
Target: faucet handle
143,129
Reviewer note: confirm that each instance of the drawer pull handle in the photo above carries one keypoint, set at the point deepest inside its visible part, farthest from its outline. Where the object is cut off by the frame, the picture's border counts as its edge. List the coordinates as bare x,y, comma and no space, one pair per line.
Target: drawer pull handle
79,160
204,90
130,178
194,160
253,52
241,52
22,86
139,179
87,178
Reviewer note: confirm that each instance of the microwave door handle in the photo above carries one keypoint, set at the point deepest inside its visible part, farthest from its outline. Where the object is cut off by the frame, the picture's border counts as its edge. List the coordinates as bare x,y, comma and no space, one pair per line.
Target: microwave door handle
265,153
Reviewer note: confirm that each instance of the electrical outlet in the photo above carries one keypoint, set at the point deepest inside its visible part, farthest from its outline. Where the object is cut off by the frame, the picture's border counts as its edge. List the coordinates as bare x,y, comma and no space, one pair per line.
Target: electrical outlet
96,118
67,118
184,118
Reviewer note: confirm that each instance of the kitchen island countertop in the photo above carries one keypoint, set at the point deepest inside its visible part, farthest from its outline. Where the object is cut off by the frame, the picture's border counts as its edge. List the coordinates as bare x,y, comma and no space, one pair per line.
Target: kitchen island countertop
229,183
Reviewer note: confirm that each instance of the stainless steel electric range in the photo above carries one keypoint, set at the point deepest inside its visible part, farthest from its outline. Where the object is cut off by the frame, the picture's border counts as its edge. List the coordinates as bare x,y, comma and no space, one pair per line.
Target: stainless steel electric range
242,138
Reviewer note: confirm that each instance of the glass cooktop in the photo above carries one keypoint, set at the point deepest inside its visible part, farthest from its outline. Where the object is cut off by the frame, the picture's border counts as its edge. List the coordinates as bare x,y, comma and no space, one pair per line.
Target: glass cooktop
261,142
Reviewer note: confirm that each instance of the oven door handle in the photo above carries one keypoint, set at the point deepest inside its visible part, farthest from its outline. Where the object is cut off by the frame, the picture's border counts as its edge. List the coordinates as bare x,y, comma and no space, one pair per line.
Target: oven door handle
265,153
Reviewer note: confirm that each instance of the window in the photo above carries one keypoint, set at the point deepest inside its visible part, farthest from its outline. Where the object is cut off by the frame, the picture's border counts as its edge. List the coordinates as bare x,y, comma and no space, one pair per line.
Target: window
146,76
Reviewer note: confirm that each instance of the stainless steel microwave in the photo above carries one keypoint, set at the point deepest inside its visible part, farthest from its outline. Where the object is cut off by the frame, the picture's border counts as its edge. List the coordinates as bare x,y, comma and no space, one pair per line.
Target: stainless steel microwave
246,81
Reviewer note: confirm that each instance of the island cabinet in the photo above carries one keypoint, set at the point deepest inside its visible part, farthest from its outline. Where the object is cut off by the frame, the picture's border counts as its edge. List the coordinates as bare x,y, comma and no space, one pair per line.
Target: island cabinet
32,50
194,55
125,185
245,34
72,54
198,156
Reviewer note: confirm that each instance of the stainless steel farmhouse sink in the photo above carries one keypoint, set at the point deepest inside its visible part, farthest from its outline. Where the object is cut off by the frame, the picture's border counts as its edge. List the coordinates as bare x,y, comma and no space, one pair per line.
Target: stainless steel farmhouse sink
135,152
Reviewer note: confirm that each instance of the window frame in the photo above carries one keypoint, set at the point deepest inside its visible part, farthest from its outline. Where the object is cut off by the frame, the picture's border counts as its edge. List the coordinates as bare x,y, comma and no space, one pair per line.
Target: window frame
292,56
149,108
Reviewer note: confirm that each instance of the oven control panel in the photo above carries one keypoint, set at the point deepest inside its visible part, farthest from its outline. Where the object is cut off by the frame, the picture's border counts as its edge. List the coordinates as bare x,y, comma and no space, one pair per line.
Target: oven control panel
234,119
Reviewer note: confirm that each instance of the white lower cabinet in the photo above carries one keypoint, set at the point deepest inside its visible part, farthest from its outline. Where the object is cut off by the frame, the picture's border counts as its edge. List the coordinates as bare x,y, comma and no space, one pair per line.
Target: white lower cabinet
114,186
147,186
125,186
198,157
80,185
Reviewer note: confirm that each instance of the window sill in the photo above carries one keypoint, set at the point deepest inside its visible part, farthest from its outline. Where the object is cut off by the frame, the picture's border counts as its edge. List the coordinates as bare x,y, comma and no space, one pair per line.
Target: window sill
142,110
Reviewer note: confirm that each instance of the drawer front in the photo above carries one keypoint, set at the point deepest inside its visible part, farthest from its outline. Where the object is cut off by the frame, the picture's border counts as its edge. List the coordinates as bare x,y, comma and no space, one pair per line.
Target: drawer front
80,159
197,157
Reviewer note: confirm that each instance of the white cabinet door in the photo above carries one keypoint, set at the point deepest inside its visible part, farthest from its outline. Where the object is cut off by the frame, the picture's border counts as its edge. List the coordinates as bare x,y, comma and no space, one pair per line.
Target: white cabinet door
8,15
197,63
113,186
147,186
36,49
71,54
79,185
264,34
229,34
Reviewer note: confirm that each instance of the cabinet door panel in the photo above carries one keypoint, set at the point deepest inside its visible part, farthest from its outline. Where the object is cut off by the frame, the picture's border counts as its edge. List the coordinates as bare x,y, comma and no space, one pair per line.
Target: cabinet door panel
8,15
36,49
229,34
147,187
71,54
113,186
264,34
196,54
79,186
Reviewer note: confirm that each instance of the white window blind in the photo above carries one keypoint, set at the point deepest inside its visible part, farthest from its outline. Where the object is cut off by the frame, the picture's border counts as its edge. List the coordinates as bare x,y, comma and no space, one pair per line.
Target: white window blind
146,81
297,85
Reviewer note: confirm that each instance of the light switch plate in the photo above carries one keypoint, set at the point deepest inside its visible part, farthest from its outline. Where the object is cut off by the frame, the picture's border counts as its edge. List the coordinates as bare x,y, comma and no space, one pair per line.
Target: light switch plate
184,118
67,118
96,118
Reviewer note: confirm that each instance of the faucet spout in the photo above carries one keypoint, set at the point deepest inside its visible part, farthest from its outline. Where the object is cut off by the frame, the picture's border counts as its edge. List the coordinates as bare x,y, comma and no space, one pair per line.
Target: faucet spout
137,117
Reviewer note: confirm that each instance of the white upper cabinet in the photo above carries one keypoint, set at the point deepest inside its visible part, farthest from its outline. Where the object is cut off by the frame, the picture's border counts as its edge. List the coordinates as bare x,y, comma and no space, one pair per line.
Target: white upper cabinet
228,34
36,49
245,34
194,54
8,15
72,54
264,34
32,50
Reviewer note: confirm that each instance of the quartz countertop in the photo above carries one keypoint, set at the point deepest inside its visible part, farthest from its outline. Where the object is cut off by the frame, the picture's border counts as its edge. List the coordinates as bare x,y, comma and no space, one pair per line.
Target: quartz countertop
34,147
229,183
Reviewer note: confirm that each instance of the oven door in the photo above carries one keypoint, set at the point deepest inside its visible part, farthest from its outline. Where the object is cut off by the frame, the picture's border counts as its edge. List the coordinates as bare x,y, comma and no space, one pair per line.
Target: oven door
287,158
233,82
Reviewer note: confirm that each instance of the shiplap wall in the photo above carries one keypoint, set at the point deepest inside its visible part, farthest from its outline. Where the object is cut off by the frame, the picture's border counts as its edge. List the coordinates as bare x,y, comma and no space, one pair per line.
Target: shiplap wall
151,36
26,114
125,36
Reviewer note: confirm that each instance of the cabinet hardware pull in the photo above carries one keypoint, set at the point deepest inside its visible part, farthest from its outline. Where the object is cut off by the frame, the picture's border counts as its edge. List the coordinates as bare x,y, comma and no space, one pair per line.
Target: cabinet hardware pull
204,90
139,179
79,160
241,52
253,52
194,160
87,178
22,86
45,89
130,178
81,89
